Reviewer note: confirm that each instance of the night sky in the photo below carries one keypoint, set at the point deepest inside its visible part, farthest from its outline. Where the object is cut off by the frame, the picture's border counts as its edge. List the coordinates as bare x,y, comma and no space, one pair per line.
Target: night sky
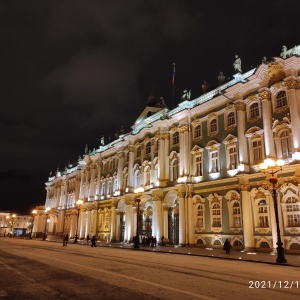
72,71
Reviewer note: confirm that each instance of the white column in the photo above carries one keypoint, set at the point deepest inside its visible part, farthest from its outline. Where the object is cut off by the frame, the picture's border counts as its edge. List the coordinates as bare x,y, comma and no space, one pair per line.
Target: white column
191,221
161,159
113,223
264,95
92,183
241,121
130,182
118,226
291,83
166,156
247,218
273,221
182,231
81,188
128,222
121,158
99,168
166,233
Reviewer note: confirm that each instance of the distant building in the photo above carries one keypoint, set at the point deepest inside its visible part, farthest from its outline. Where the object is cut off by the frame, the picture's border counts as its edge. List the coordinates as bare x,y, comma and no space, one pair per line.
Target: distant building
14,224
199,167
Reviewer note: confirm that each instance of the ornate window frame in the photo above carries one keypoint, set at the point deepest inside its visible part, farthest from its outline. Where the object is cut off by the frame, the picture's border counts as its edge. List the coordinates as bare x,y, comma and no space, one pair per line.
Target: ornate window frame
249,108
213,149
215,208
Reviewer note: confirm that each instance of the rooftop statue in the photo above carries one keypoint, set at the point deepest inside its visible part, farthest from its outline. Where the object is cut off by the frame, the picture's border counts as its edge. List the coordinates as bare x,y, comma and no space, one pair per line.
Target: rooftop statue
283,54
186,95
221,78
86,149
205,87
237,64
102,140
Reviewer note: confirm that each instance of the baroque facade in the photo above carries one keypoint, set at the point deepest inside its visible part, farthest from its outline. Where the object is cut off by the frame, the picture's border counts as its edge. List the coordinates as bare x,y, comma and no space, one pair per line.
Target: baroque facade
199,167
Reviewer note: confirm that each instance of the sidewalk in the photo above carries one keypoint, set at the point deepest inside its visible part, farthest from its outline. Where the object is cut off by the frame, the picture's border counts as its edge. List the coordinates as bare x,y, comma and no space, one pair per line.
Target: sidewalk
258,257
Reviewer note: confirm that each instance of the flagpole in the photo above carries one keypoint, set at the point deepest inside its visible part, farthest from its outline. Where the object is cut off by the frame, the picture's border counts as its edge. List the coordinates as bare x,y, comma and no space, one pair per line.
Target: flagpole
173,83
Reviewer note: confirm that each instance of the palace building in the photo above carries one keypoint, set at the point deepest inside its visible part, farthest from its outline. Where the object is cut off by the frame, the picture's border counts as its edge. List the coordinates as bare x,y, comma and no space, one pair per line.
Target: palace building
199,167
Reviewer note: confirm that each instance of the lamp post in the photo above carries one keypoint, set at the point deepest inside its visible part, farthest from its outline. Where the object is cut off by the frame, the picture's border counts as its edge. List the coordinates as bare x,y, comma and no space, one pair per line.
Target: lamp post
46,213
12,218
78,207
139,192
33,213
271,165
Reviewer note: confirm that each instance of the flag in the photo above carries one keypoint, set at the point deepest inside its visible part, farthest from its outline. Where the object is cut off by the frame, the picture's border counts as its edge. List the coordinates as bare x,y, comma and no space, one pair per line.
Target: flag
173,78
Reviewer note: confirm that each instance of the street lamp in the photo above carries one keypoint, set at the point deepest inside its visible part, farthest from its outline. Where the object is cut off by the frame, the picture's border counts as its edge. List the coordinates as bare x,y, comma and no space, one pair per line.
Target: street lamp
78,207
46,213
33,216
271,165
139,192
12,218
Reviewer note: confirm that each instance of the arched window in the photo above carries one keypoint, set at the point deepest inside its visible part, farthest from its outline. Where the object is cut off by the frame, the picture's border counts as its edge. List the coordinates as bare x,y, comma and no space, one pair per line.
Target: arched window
148,148
137,179
200,216
231,119
147,175
254,110
176,138
197,131
281,100
263,215
257,151
213,125
293,212
198,165
286,144
236,211
216,215
175,170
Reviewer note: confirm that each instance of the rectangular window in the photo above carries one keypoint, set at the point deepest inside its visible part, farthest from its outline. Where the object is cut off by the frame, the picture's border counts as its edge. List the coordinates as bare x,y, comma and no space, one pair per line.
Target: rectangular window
233,158
198,162
214,162
237,222
216,222
263,221
257,152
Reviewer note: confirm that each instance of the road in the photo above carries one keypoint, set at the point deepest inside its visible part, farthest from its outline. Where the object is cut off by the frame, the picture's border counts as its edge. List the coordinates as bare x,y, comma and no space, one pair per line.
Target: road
34,269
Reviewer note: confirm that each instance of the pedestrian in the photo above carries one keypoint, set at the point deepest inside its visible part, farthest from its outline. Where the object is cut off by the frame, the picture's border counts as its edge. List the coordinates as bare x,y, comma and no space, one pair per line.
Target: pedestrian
93,240
88,239
66,239
144,241
227,246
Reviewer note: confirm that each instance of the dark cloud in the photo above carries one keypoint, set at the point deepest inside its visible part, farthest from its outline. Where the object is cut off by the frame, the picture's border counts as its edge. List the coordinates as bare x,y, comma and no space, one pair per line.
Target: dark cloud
74,70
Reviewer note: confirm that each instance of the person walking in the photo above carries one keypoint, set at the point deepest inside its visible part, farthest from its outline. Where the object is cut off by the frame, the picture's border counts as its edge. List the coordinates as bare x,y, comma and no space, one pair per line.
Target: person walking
66,240
88,239
227,246
93,240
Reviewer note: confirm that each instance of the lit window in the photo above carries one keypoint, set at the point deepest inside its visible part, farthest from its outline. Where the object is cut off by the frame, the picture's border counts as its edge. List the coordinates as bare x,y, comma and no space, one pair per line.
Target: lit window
213,126
263,215
257,152
254,110
198,131
281,100
176,138
230,119
148,148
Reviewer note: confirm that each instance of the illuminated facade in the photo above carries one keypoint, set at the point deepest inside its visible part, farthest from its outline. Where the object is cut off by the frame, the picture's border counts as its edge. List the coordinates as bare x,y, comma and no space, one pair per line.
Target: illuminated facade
199,167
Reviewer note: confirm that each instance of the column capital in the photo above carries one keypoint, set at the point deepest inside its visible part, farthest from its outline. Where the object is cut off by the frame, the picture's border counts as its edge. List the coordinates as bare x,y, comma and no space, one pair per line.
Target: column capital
245,187
291,83
239,105
264,94
183,128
